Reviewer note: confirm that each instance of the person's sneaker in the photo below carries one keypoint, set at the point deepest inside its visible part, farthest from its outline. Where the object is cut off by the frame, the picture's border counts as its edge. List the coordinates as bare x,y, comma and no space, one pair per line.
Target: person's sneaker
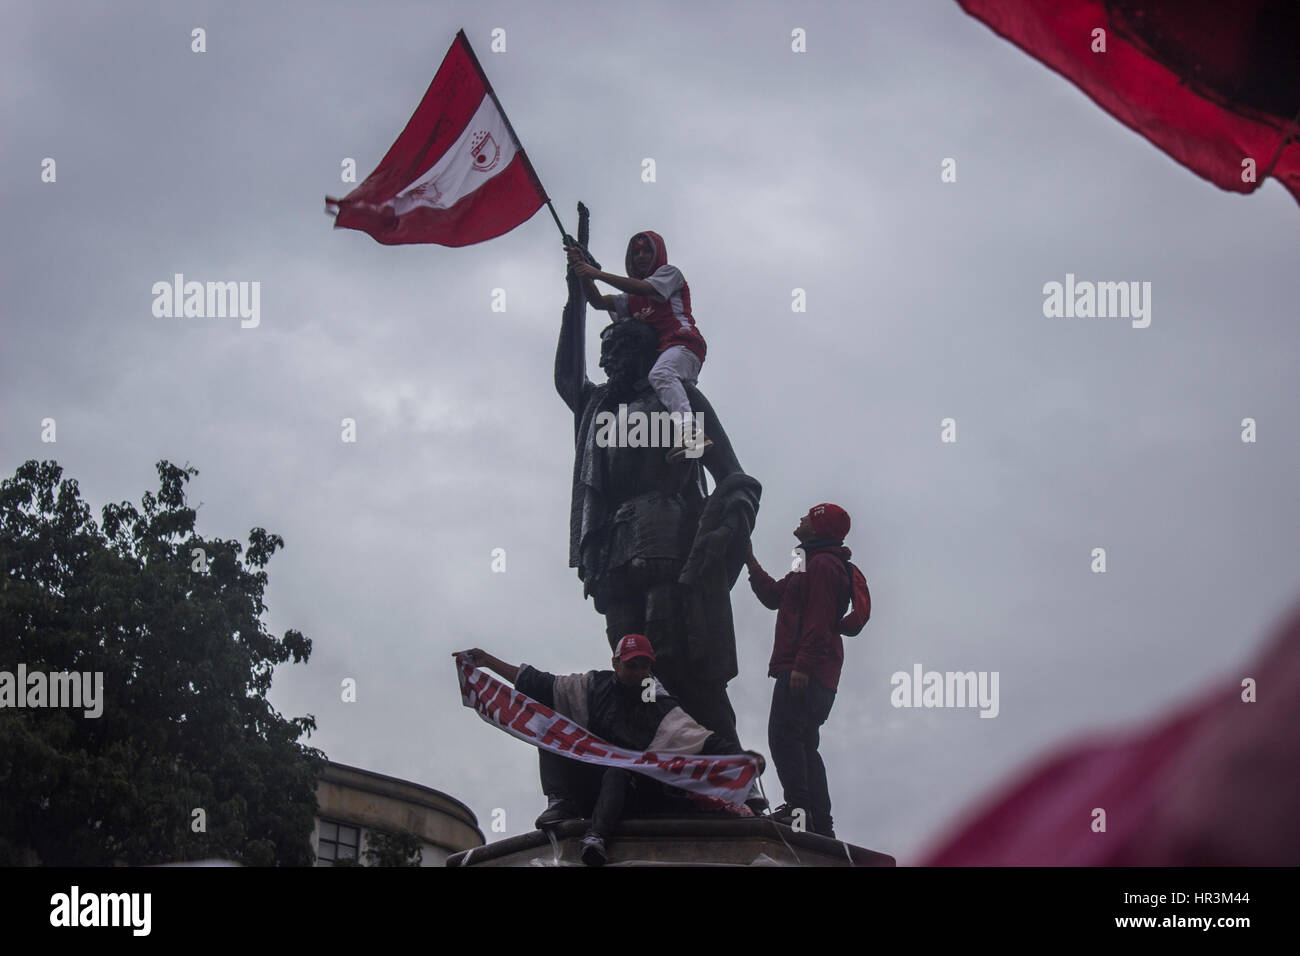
758,806
694,444
593,849
557,811
823,826
786,814
783,814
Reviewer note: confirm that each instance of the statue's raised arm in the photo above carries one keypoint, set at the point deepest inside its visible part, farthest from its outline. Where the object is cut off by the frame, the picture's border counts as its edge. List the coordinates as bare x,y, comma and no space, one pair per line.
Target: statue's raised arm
570,354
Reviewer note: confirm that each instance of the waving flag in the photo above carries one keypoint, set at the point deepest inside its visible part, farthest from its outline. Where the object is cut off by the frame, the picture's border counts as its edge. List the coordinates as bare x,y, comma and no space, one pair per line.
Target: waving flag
1215,85
1216,782
456,174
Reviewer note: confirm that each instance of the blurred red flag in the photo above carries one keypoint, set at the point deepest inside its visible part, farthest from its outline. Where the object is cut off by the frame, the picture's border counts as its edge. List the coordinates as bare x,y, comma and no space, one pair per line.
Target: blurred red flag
1215,85
456,174
1215,783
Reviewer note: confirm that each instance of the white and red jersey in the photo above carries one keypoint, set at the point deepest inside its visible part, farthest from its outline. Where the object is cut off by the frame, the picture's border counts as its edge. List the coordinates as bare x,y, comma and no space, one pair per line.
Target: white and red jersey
668,312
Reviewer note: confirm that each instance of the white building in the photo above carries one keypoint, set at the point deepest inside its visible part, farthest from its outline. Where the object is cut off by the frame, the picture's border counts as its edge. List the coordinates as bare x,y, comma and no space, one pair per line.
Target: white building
353,802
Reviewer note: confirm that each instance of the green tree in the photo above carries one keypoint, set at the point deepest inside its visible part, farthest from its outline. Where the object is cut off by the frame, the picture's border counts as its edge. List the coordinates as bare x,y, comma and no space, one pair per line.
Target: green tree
393,849
188,759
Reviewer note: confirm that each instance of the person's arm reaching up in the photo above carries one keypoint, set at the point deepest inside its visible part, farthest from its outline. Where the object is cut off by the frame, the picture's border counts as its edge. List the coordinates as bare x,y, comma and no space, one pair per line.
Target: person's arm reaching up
481,658
586,272
765,589
589,272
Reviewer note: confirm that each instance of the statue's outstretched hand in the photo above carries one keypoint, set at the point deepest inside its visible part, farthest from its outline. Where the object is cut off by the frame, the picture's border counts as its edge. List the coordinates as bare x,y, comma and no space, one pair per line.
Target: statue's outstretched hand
707,553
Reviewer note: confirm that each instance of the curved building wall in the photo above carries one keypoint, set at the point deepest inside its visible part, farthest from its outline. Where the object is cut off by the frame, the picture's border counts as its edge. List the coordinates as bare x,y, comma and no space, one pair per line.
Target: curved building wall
352,801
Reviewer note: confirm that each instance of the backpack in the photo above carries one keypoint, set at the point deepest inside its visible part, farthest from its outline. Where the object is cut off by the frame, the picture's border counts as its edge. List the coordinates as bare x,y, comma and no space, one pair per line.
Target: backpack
851,624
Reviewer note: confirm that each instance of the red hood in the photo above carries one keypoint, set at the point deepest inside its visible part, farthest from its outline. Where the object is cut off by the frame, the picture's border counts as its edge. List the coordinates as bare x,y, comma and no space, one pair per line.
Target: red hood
661,252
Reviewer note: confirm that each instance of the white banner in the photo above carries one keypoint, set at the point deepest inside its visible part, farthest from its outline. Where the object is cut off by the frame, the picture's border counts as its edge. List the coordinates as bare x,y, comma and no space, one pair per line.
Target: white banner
721,780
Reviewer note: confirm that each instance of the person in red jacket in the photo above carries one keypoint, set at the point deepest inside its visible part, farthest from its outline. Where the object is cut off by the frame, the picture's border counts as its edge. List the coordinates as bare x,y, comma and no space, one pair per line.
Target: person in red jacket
806,660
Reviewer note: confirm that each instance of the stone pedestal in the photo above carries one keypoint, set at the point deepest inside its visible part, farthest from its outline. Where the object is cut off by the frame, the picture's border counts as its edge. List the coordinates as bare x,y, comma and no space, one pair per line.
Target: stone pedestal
695,841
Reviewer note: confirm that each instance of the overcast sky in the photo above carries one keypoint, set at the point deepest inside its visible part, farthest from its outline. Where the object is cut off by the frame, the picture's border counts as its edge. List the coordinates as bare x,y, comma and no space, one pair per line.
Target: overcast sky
775,170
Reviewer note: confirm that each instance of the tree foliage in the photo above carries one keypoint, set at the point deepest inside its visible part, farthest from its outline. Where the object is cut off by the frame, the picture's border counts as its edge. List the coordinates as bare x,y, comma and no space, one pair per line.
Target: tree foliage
186,663
393,849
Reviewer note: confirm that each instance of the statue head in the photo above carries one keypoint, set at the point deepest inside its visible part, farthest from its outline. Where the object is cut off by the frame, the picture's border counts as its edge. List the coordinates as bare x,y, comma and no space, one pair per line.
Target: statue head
628,350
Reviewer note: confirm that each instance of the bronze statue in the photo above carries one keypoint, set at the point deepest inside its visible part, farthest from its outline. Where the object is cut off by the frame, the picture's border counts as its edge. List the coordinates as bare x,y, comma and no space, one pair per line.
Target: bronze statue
656,552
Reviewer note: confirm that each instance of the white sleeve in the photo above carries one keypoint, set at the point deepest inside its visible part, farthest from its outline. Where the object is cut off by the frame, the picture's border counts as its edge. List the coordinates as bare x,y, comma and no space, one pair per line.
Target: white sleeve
666,280
678,733
570,696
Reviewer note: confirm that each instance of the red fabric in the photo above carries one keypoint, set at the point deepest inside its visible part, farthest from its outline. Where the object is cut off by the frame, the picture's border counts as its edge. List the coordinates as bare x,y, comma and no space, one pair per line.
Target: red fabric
502,203
851,624
1215,784
1211,84
656,243
634,645
659,315
809,605
829,521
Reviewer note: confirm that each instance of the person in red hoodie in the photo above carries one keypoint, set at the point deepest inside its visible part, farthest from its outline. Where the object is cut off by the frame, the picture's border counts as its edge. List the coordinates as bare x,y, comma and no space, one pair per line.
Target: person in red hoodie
656,293
806,660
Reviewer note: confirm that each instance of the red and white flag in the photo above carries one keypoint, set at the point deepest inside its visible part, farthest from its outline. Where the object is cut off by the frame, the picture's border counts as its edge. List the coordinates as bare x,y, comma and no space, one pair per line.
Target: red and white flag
712,782
455,176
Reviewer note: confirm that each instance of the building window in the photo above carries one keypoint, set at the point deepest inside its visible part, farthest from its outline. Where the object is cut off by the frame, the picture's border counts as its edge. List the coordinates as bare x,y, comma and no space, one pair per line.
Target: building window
338,841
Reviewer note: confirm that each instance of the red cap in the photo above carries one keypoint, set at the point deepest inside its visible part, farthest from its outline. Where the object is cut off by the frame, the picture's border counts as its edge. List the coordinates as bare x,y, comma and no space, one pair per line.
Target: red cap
634,645
829,521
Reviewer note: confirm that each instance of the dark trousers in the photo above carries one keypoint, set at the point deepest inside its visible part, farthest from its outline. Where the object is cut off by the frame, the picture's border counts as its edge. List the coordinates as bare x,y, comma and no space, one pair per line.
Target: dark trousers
705,701
793,735
604,794
572,780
